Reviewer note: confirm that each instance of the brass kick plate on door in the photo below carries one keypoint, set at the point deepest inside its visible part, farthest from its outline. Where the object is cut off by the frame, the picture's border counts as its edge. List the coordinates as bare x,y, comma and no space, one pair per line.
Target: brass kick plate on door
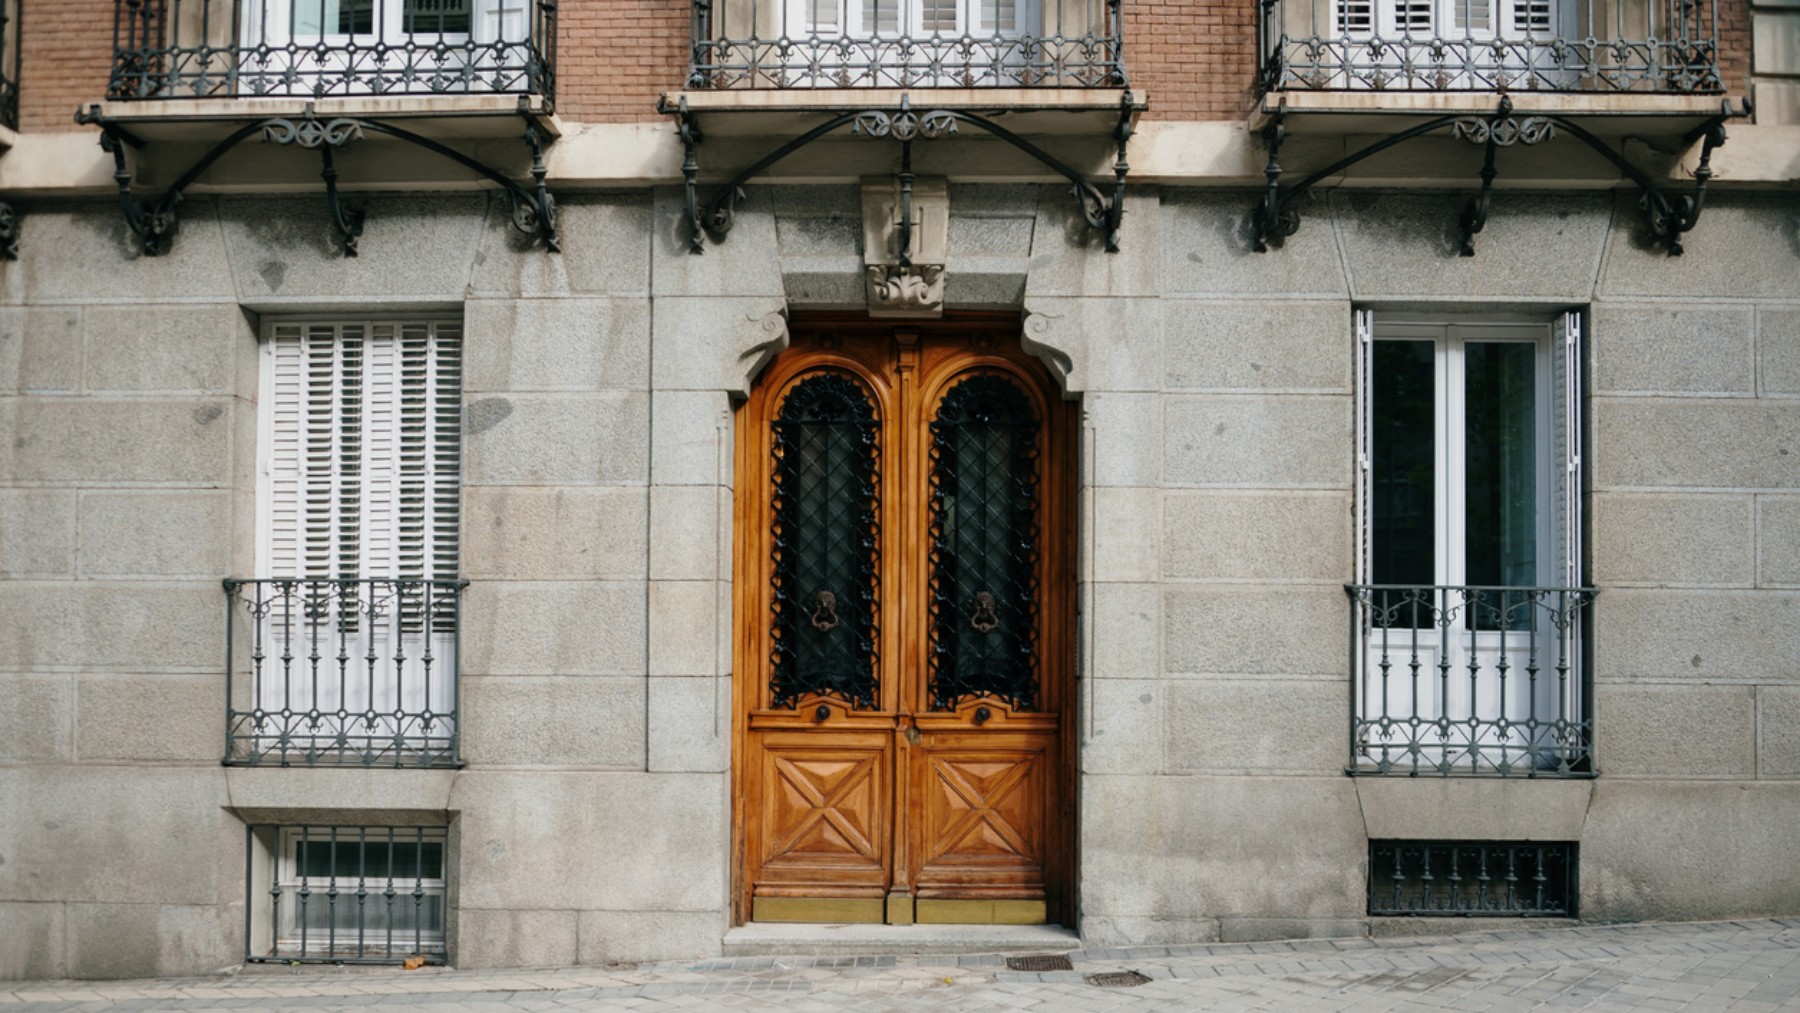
980,912
837,910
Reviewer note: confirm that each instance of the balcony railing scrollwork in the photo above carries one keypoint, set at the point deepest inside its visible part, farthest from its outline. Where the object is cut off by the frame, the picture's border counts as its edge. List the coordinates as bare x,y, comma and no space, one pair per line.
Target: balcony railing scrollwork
342,672
1652,46
1469,680
176,49
902,44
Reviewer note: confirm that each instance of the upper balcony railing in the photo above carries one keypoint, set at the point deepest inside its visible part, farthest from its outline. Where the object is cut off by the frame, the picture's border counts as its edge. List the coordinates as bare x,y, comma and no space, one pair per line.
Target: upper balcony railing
1642,46
9,64
829,44
174,49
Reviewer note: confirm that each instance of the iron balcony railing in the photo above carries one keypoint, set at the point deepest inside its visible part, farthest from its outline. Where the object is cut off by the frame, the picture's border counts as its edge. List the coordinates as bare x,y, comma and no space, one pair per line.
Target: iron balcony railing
9,64
342,672
174,49
1469,680
906,44
1668,46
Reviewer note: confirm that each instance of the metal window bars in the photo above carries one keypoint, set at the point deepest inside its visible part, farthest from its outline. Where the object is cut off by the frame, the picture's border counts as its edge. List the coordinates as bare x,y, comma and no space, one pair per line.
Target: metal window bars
1469,680
1650,46
1473,879
336,672
176,49
345,894
901,44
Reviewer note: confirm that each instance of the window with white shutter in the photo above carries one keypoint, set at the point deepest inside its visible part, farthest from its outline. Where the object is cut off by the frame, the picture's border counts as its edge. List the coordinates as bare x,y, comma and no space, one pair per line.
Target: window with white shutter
356,597
1468,602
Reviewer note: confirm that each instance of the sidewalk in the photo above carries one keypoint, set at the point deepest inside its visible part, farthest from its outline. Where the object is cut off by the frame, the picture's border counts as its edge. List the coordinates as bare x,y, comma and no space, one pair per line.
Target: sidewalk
1747,966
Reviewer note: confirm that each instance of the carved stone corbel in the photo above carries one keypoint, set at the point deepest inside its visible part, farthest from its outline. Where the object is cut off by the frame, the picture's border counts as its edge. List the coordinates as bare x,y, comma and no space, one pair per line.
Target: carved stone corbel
905,290
905,225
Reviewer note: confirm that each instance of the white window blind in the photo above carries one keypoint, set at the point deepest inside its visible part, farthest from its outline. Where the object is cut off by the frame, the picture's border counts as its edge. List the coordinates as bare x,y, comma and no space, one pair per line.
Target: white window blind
362,424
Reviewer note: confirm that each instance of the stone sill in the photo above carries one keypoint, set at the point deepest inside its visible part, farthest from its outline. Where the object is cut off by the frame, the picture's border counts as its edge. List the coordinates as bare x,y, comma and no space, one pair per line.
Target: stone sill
1213,153
1610,113
440,117
1034,111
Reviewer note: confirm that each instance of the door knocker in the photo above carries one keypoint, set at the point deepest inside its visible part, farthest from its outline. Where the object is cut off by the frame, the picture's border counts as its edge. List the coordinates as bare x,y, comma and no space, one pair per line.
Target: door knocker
824,615
984,618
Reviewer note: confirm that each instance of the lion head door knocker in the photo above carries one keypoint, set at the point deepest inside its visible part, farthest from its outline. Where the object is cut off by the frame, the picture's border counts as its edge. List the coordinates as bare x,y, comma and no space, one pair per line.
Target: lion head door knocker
824,615
983,618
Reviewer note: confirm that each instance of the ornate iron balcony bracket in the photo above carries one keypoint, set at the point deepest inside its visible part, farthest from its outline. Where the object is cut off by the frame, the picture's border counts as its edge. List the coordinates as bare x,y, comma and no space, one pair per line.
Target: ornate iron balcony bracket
9,232
1104,213
1276,217
532,209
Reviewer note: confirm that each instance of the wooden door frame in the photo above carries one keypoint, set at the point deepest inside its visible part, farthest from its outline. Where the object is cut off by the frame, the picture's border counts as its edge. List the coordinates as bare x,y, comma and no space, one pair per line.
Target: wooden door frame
1057,634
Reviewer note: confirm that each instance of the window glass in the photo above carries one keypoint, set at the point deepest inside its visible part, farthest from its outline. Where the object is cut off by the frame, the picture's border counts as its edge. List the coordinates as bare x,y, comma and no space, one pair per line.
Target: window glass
1500,490
1403,433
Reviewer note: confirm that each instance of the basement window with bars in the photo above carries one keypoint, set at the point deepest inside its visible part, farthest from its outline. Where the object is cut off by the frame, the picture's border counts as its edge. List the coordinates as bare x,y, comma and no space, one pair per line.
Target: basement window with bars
346,894
349,654
1473,879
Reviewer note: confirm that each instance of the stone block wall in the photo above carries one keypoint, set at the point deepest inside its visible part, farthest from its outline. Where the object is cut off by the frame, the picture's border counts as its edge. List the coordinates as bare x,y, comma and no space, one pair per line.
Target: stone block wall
592,822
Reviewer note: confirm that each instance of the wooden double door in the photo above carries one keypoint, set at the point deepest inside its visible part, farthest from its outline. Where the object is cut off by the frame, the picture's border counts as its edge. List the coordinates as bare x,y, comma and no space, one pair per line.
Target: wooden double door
904,619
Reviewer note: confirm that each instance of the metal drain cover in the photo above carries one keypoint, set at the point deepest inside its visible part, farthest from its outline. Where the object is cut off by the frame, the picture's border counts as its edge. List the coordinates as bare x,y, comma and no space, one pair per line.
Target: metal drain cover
1116,979
1040,962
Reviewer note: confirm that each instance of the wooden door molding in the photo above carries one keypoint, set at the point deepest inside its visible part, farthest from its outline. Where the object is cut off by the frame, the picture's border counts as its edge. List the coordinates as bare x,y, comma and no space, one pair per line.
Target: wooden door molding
967,808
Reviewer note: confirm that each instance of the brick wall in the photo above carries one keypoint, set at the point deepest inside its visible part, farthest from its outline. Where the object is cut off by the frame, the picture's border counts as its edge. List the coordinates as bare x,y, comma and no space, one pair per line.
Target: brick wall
614,57
1195,58
67,55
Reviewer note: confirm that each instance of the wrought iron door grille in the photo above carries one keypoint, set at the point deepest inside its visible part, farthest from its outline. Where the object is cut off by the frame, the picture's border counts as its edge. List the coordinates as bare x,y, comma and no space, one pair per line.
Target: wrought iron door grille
984,545
342,672
1469,680
895,44
345,895
183,49
826,543
1668,46
1473,879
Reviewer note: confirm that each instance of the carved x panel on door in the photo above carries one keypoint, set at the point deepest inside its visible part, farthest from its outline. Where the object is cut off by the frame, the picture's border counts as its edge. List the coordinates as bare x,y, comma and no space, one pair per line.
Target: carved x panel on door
904,622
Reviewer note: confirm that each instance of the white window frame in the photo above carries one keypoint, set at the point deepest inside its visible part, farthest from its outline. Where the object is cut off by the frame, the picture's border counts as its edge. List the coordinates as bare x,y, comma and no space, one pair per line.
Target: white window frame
396,666
1557,467
1407,27
274,24
288,882
850,20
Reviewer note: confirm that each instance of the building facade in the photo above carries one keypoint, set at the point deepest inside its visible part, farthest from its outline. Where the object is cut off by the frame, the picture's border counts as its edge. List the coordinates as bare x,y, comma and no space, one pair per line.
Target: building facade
604,474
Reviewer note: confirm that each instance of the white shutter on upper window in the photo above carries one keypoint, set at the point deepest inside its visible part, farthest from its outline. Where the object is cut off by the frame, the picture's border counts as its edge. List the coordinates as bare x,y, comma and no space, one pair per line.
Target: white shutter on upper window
363,440
1364,355
1565,422
1355,17
502,21
1413,17
1531,18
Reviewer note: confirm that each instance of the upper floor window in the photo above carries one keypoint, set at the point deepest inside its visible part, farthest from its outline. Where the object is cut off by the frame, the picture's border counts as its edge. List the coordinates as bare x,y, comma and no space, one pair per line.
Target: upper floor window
906,44
1491,45
321,48
1469,607
349,655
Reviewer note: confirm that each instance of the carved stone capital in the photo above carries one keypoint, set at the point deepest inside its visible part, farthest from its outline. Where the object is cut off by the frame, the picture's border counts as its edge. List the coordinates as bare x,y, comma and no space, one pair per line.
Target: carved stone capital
1043,334
909,291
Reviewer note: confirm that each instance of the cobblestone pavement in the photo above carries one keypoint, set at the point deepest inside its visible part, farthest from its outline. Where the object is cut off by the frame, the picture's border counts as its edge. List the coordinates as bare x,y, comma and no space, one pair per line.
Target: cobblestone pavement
1747,966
